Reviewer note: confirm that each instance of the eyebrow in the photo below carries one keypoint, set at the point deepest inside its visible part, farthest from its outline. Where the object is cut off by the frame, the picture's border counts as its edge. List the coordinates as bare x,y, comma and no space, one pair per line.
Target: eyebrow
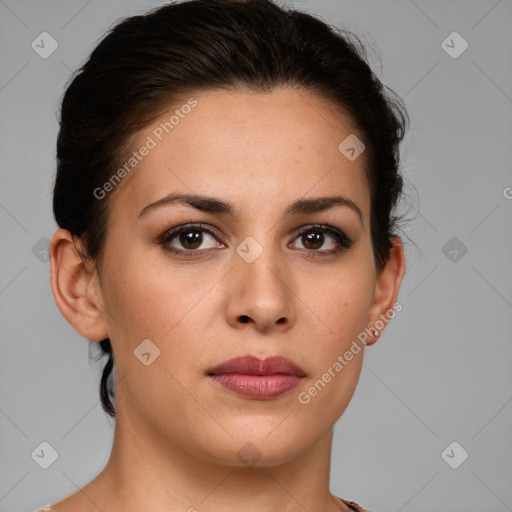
216,206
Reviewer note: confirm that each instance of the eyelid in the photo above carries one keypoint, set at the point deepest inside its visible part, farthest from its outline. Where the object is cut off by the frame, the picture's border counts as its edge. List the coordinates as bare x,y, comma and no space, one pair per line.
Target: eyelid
198,226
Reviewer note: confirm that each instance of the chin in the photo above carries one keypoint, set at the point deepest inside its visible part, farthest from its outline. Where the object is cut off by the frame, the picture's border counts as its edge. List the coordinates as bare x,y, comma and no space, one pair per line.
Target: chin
259,446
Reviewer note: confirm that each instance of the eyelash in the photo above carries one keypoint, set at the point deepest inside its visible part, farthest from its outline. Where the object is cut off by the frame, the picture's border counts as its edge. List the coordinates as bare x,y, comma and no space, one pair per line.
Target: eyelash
343,241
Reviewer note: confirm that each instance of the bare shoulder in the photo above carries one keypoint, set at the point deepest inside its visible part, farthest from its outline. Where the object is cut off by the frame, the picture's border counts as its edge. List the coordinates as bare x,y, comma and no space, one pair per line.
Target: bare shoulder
76,502
68,505
352,505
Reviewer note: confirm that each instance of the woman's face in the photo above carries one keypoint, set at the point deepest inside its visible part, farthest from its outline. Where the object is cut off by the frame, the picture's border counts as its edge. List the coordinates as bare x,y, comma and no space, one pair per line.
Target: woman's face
246,283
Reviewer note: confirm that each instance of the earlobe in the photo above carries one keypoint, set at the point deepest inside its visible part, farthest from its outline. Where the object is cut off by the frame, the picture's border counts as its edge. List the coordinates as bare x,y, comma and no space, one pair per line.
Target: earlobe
386,291
76,288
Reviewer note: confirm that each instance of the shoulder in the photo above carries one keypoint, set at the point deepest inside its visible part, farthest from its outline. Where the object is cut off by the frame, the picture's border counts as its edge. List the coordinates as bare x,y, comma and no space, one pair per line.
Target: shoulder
352,505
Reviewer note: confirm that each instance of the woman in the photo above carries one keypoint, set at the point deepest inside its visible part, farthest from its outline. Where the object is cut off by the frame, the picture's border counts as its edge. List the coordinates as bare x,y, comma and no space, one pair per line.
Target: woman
226,189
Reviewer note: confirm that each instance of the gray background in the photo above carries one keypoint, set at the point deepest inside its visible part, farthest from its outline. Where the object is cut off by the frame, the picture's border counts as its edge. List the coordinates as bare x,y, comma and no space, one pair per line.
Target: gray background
441,371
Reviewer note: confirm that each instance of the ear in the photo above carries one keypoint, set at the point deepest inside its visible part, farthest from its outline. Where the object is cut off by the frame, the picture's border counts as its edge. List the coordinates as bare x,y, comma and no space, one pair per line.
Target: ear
387,287
76,288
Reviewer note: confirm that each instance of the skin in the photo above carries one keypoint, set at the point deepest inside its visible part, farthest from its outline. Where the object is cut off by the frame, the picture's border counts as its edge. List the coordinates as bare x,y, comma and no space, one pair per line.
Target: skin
177,436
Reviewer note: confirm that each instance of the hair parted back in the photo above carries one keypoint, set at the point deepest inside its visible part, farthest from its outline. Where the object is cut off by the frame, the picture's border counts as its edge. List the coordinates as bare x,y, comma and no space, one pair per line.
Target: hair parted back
146,63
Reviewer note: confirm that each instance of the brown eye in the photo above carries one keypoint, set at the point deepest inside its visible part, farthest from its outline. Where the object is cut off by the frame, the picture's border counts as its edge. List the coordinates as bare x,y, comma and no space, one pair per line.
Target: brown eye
315,237
189,239
312,240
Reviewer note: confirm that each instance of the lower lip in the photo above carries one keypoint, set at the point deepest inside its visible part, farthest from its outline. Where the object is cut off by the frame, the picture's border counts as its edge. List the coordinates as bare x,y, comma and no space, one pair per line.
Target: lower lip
261,387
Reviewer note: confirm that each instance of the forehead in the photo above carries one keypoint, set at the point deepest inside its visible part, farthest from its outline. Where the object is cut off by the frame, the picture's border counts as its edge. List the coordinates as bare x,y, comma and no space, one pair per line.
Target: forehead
247,146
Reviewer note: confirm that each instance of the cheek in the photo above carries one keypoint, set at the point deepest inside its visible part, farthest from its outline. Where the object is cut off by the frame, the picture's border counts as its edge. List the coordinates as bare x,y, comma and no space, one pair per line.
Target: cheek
344,304
338,357
151,300
148,297
146,303
328,393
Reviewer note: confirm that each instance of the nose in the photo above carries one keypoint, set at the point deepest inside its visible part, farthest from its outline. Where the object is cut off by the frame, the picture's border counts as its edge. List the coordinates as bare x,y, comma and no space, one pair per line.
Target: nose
261,294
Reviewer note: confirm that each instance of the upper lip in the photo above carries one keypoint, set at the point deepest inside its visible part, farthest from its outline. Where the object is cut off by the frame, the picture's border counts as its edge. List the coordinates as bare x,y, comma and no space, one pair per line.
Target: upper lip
250,365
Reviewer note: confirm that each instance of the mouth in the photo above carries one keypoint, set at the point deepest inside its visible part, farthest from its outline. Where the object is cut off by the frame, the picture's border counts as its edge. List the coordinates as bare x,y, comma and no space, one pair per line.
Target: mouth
260,379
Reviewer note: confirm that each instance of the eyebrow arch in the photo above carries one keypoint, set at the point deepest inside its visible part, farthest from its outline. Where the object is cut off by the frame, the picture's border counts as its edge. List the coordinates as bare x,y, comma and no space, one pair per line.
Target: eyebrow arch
213,205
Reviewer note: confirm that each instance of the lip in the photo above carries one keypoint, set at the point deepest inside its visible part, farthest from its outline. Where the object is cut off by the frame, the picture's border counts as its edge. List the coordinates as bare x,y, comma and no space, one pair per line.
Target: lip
257,378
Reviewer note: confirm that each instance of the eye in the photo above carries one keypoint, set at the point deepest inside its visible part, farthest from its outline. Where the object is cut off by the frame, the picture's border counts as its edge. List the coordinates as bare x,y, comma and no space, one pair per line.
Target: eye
313,238
190,238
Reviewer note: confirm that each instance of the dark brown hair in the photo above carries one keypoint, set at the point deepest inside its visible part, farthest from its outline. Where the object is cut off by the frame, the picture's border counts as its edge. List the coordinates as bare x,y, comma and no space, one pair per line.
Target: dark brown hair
146,63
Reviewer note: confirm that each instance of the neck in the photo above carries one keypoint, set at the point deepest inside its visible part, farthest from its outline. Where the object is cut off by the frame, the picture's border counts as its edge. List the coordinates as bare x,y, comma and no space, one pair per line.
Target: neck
146,472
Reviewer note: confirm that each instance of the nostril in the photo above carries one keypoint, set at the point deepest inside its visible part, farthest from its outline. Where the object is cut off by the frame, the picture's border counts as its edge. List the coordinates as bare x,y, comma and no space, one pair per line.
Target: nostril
244,319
